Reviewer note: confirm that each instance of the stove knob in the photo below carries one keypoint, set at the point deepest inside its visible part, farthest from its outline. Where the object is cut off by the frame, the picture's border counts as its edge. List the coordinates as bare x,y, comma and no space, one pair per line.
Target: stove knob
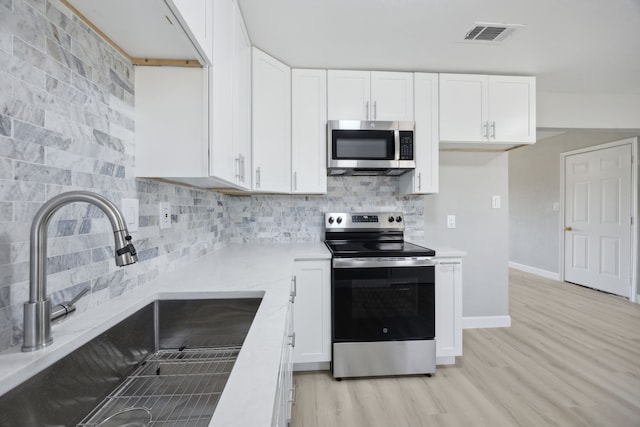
398,219
330,220
391,219
339,220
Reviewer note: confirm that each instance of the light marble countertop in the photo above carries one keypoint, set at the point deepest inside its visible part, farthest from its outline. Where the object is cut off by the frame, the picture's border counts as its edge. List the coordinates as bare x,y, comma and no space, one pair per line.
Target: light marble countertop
235,271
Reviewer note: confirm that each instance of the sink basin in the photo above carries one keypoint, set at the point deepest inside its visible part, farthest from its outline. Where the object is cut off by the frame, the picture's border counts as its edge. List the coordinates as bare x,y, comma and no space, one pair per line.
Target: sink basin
166,364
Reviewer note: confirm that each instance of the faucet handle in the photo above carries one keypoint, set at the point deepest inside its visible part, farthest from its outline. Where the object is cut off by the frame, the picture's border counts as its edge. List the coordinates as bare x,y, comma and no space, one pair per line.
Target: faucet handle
62,310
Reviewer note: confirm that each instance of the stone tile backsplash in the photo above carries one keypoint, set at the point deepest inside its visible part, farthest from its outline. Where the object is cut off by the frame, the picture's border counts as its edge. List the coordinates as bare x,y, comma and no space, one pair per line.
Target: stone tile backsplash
67,122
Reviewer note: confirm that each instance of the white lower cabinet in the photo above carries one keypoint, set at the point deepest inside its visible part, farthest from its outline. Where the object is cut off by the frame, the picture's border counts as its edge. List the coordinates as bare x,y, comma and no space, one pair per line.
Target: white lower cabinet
313,315
286,391
448,310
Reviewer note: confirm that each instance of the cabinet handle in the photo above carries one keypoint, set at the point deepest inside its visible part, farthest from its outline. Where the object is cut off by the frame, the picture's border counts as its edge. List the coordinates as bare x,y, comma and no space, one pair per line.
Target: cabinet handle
419,181
493,130
292,339
449,263
294,286
237,160
366,110
375,110
485,130
295,181
292,394
241,157
258,177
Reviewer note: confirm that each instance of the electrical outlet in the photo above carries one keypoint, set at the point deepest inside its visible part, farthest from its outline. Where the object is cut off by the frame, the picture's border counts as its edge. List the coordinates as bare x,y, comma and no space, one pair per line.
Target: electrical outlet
165,215
555,206
451,221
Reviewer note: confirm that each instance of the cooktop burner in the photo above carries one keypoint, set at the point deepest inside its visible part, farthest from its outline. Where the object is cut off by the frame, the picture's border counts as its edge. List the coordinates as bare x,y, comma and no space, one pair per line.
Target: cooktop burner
379,234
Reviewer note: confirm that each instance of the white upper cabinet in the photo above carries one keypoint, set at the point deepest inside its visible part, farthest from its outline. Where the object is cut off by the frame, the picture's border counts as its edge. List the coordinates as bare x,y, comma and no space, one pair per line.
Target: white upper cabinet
198,16
498,111
171,122
150,31
391,96
309,131
366,95
349,94
271,130
231,97
424,178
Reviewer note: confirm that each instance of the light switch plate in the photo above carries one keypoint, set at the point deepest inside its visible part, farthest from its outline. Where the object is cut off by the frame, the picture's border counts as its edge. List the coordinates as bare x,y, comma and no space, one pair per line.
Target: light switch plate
555,206
495,202
451,221
165,215
131,212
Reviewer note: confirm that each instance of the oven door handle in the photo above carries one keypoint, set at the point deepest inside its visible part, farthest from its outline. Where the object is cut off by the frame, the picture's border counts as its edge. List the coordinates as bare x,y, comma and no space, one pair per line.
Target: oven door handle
383,262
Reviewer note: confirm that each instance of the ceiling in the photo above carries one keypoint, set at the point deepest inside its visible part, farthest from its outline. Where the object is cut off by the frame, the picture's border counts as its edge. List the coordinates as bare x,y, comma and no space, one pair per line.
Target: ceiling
569,45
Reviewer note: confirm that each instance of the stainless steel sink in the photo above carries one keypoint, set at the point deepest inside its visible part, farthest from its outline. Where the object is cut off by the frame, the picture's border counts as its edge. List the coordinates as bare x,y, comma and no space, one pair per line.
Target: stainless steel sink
165,365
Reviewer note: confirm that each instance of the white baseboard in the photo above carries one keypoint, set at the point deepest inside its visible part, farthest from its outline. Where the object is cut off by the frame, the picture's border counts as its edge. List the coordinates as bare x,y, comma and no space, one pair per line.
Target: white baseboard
486,322
533,270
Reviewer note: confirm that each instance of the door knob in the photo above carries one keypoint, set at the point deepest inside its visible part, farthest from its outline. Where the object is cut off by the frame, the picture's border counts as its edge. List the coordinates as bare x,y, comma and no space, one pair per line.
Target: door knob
567,228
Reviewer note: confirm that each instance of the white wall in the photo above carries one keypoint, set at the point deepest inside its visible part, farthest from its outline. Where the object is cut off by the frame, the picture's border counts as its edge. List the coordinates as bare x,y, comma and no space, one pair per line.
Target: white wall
467,182
534,184
588,110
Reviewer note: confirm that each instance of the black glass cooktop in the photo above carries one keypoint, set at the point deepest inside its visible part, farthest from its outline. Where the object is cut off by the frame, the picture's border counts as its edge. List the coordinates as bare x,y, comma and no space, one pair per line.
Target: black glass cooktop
353,249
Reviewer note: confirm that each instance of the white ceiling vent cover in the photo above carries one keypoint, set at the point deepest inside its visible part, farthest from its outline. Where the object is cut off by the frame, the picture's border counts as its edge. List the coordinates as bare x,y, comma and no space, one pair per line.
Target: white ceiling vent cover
490,33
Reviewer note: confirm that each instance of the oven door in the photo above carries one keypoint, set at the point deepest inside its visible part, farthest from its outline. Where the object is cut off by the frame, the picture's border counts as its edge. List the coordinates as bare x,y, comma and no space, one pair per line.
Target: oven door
383,300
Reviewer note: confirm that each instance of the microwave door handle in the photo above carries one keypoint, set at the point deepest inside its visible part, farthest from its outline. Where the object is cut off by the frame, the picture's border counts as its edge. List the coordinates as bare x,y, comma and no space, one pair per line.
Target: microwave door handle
396,137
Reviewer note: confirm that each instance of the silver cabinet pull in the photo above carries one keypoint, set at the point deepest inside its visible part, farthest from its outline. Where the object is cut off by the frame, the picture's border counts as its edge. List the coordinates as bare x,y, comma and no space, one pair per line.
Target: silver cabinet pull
493,130
292,339
375,110
419,181
485,130
294,289
366,110
295,181
238,176
258,177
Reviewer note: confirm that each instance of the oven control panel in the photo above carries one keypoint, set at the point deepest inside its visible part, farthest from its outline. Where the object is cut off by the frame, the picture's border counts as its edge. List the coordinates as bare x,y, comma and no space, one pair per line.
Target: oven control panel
367,220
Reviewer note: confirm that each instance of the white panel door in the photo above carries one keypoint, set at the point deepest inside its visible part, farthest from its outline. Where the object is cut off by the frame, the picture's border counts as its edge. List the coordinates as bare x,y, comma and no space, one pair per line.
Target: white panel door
597,237
349,94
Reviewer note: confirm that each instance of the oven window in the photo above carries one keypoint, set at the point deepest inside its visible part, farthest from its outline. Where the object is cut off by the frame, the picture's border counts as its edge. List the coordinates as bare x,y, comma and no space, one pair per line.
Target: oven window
381,304
363,145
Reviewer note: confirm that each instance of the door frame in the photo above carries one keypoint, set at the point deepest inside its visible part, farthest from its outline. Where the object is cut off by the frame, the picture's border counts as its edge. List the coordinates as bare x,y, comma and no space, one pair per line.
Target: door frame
634,297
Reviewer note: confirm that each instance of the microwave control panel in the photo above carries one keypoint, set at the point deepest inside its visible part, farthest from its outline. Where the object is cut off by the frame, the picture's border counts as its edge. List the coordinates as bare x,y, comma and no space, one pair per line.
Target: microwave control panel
406,145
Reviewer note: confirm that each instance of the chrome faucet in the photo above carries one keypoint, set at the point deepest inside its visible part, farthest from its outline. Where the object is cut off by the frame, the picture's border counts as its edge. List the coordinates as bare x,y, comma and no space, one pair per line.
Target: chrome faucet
37,312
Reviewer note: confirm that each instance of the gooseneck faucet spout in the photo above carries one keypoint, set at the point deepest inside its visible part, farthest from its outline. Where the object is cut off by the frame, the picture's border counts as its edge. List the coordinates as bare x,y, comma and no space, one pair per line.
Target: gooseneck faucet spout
37,312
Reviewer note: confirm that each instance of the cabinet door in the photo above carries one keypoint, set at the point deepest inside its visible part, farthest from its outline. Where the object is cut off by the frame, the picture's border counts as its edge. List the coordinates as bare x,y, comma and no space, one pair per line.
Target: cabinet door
241,101
198,17
271,128
309,131
222,163
312,312
463,107
171,122
512,109
349,94
391,96
448,310
425,177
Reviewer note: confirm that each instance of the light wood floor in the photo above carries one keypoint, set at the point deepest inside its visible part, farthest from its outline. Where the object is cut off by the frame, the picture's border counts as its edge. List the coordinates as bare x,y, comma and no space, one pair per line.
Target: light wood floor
571,358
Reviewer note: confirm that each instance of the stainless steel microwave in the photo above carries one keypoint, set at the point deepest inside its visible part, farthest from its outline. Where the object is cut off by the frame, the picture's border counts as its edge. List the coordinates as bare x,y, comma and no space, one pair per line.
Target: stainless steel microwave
370,147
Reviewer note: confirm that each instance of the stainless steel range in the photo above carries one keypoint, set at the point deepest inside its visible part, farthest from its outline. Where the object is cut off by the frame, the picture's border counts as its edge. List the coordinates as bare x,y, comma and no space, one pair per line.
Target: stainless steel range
382,299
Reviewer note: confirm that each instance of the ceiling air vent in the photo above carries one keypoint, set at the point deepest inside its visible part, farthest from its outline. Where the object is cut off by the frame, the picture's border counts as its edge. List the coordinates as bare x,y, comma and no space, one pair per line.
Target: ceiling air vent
485,32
